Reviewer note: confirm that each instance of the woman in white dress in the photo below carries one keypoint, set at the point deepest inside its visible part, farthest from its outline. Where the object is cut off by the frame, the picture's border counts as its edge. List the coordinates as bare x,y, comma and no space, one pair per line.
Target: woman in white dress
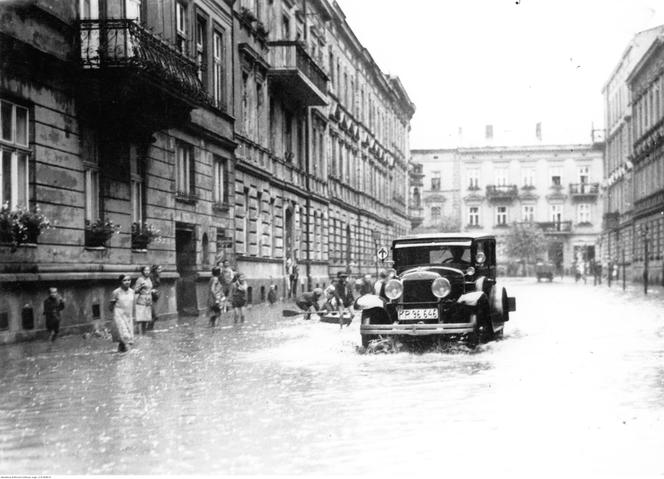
122,305
143,289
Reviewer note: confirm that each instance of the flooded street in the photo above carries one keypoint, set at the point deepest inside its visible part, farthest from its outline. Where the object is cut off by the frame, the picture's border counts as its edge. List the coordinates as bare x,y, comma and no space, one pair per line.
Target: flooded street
576,384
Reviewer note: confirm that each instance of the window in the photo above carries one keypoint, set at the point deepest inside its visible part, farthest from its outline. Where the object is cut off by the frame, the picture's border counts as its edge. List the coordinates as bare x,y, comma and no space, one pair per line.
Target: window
181,27
219,178
245,222
584,175
583,213
528,212
474,216
501,176
435,181
218,70
556,176
184,180
285,27
501,215
528,177
136,186
134,10
474,179
92,195
201,49
435,213
14,154
245,102
556,213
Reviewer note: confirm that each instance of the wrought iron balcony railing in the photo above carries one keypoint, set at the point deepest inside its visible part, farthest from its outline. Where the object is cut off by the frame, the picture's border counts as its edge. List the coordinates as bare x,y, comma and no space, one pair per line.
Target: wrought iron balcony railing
556,226
584,189
289,58
502,192
122,43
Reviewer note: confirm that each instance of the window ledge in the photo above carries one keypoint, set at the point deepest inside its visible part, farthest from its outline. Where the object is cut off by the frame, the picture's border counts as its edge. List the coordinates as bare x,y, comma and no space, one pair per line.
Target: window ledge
186,198
502,226
95,248
221,206
139,250
22,245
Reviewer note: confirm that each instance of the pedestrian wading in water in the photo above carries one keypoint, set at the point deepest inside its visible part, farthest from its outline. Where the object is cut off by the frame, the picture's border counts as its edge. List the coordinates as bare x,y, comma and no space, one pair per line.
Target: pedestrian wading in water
122,306
239,298
216,297
52,307
155,276
143,289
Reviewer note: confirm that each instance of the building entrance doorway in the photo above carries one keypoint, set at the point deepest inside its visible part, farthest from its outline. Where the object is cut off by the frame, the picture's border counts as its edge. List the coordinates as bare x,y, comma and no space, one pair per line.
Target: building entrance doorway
185,260
556,255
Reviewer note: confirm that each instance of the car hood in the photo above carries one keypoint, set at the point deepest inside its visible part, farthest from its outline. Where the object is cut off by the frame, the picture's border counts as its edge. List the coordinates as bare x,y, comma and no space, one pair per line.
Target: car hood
429,272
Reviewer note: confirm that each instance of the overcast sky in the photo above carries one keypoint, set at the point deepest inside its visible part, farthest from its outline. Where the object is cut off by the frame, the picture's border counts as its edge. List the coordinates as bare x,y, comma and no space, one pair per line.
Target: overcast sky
468,63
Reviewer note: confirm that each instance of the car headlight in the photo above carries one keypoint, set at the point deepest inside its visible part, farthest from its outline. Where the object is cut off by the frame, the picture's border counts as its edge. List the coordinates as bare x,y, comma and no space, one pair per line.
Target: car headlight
393,289
441,287
470,271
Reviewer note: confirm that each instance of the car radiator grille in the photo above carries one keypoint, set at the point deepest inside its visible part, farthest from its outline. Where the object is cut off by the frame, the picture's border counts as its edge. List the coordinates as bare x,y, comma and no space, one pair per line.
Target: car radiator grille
419,290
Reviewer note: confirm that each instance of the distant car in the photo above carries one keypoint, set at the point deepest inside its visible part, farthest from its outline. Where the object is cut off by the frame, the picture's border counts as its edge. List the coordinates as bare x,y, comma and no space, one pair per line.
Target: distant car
445,286
544,269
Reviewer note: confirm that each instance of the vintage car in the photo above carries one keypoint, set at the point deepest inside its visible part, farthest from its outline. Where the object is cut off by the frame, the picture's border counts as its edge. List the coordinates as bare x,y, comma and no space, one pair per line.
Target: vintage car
544,269
445,286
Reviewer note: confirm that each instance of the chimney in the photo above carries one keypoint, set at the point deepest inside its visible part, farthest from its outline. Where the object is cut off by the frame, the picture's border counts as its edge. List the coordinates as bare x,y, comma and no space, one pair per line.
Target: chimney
489,132
538,131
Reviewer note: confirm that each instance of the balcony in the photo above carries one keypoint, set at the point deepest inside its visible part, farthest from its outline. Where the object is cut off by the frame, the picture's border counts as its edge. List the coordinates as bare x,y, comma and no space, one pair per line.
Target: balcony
296,74
584,191
556,227
610,220
130,73
502,192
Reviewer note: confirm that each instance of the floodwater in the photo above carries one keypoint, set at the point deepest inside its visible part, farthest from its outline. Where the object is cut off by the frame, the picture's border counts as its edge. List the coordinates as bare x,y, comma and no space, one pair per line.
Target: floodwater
576,386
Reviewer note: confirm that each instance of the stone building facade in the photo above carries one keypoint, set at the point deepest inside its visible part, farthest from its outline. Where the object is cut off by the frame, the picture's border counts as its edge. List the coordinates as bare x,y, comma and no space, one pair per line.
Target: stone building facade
618,225
211,121
555,187
646,83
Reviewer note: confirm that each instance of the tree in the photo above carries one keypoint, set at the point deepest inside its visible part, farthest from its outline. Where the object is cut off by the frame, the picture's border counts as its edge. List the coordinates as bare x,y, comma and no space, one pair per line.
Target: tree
525,241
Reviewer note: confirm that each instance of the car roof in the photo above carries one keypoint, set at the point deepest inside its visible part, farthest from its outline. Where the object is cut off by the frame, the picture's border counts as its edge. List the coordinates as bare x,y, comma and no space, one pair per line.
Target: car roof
466,235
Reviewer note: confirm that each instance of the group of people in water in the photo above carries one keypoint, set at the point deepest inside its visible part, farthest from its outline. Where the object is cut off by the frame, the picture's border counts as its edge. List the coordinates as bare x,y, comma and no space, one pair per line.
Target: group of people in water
133,308
341,294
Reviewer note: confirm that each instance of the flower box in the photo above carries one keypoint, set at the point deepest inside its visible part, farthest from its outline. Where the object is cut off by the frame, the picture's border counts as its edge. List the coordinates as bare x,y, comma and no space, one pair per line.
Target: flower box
143,234
97,233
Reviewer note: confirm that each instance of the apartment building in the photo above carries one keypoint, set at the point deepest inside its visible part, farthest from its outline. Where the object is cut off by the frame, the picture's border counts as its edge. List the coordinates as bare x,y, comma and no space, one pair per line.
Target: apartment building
555,187
252,130
618,166
646,83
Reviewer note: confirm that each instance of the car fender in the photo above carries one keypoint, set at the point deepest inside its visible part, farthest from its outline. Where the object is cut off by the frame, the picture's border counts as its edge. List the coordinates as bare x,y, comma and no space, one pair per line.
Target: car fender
472,298
369,301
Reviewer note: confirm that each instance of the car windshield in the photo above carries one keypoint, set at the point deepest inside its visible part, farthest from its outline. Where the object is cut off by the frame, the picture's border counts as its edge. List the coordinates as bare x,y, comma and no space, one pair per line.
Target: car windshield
447,254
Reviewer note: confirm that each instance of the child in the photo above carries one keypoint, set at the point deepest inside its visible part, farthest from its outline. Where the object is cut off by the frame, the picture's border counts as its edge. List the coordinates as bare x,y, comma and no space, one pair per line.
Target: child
216,298
122,306
239,297
272,294
52,307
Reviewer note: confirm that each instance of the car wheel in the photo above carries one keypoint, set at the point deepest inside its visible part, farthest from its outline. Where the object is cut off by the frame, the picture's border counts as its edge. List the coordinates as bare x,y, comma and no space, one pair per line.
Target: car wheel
366,339
483,331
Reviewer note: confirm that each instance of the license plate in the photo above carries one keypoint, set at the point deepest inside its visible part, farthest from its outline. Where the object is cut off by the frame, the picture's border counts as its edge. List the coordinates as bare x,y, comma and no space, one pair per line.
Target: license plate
418,314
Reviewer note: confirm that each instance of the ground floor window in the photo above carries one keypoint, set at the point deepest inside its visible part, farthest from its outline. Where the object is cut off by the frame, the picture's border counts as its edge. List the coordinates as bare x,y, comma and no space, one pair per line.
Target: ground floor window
501,215
14,167
474,216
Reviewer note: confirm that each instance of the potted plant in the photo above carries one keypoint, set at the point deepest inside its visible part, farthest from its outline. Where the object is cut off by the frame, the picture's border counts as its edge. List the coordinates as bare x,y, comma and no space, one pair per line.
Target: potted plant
97,233
21,225
143,234
34,222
